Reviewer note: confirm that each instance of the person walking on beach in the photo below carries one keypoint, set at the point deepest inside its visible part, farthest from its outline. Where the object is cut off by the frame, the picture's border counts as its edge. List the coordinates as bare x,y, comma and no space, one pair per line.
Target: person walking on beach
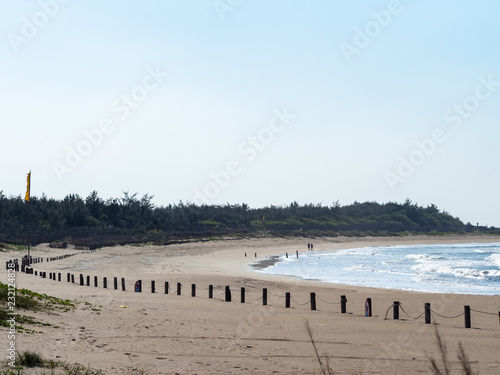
311,246
308,246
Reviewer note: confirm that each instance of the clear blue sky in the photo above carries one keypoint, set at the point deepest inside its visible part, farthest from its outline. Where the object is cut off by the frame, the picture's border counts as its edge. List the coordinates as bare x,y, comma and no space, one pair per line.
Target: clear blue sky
180,99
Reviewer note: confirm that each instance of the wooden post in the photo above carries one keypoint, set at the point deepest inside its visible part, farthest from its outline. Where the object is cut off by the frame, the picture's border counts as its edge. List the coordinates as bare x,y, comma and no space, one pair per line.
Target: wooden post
123,284
242,295
72,278
313,301
166,287
68,277
287,255
95,281
138,286
256,255
264,296
368,307
105,282
427,313
287,300
297,252
228,294
88,280
115,282
193,290
395,312
343,304
81,279
467,316
179,289
58,276
210,291
245,255
153,289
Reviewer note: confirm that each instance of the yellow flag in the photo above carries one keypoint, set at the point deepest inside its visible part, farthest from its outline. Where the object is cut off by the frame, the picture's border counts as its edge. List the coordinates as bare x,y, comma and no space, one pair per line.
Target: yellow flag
28,181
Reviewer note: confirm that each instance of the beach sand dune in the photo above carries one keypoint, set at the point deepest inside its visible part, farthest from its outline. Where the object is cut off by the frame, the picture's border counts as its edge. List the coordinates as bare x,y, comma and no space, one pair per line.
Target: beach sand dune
126,332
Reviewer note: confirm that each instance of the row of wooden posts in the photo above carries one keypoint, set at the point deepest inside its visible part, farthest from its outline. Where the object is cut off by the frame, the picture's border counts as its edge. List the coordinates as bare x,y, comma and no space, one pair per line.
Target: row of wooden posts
286,254
25,262
228,296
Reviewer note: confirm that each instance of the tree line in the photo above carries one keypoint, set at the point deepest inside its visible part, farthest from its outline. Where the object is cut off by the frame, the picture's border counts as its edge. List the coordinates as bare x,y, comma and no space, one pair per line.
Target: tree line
94,221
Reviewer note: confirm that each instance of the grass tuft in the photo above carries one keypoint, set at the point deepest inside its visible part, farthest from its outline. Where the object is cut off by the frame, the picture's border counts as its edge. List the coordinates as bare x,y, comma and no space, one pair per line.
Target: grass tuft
30,359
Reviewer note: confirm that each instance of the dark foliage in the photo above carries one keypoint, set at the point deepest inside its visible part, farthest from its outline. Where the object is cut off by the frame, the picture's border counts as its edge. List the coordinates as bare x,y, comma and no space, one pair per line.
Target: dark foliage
96,222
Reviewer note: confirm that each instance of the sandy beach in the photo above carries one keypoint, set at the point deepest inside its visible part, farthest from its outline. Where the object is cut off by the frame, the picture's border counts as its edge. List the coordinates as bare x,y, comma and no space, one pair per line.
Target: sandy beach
126,332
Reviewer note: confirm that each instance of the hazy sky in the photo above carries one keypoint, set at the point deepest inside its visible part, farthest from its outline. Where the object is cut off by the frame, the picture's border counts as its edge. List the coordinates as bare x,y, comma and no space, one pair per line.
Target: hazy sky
259,102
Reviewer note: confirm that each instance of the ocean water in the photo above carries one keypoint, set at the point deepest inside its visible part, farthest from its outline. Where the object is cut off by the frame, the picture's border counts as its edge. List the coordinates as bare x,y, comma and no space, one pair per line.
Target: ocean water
458,268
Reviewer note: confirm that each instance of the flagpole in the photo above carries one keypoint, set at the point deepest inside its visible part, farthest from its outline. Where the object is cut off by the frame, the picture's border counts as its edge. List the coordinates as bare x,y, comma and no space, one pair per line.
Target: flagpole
29,229
27,198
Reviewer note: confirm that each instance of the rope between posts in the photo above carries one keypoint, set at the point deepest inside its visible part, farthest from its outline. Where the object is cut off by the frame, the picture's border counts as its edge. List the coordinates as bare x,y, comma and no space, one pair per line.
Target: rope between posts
333,303
483,312
298,302
255,299
276,295
201,288
448,317
387,312
408,315
220,294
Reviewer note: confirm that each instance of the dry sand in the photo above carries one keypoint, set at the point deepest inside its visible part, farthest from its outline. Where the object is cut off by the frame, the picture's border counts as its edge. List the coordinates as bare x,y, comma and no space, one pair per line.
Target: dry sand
170,334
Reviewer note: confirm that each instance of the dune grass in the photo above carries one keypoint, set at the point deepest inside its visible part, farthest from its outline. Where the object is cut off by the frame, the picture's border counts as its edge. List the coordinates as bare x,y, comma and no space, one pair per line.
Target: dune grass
443,365
30,360
27,361
11,247
28,300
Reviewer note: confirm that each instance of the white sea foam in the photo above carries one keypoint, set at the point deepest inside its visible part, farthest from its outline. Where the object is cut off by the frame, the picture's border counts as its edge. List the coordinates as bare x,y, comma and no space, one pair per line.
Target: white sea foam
456,268
494,259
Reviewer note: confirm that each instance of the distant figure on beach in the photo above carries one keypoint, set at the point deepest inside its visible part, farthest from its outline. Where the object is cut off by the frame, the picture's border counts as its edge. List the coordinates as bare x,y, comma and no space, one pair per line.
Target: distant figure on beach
308,246
311,247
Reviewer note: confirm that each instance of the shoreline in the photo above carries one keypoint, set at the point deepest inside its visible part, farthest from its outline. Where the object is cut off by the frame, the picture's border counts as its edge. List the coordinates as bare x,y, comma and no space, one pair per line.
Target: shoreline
272,260
266,263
